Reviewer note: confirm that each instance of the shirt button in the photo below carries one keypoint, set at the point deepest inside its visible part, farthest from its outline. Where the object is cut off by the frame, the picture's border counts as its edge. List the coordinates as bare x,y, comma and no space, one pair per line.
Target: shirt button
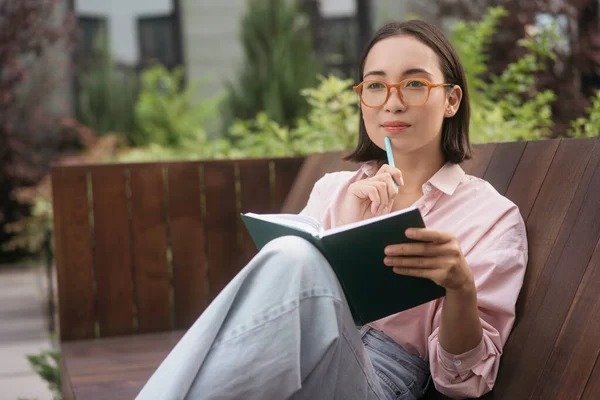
457,363
428,188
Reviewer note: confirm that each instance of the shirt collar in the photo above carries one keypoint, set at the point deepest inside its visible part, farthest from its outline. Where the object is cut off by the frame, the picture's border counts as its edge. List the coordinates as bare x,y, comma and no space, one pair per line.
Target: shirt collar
446,179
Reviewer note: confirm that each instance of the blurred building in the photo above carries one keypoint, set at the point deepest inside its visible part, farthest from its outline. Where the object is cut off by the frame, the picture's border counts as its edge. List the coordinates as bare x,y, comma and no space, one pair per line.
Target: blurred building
203,36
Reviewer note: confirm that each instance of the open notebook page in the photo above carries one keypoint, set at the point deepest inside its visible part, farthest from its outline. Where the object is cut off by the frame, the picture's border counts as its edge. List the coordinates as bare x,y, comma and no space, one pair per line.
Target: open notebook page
302,222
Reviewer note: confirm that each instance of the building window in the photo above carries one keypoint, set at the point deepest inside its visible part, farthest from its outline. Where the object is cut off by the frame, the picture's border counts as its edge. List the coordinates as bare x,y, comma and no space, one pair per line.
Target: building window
338,46
158,41
91,28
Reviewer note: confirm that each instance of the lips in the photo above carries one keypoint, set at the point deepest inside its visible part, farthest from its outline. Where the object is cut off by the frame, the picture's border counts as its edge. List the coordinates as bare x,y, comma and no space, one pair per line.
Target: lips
395,124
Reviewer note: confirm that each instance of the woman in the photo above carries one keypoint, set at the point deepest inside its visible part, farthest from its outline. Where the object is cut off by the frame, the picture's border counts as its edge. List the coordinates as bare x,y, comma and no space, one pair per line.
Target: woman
282,329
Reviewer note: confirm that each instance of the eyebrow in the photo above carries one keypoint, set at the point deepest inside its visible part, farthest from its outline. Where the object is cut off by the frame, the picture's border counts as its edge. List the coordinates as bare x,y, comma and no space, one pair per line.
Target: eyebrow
411,71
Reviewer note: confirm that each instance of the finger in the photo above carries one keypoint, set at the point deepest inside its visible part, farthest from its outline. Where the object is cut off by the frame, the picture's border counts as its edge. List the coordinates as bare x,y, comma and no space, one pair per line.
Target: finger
423,249
391,188
382,190
395,173
429,235
373,195
414,262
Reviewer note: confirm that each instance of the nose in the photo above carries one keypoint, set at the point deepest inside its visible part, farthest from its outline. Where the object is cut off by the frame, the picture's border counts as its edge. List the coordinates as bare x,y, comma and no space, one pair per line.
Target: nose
393,103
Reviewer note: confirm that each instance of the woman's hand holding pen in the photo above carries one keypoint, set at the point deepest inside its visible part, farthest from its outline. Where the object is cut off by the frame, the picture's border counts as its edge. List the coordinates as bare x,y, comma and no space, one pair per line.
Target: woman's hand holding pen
372,196
436,256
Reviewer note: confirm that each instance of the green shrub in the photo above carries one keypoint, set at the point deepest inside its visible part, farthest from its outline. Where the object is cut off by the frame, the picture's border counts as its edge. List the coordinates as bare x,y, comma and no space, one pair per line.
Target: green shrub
505,107
590,125
279,61
168,115
107,94
330,125
47,366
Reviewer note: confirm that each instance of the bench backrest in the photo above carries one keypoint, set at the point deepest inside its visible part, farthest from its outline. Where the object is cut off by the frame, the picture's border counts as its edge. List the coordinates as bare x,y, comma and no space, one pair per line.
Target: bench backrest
145,247
553,350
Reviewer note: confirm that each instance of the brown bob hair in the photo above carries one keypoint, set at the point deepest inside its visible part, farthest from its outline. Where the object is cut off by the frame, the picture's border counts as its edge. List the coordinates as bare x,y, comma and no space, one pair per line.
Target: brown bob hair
455,130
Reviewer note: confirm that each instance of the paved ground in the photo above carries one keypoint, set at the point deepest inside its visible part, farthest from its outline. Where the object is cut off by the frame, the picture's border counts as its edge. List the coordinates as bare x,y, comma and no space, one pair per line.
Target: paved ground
23,330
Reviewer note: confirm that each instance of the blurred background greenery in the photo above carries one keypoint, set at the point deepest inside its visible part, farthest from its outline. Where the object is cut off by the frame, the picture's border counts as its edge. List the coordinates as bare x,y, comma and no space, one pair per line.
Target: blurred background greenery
289,93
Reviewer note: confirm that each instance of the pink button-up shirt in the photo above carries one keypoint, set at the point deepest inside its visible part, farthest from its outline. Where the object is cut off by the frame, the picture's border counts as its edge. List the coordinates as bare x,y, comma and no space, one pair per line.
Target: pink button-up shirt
492,236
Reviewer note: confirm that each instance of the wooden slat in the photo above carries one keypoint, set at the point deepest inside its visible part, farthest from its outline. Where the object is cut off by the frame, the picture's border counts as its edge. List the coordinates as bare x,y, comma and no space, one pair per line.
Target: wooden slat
592,390
550,231
150,248
578,346
73,252
286,171
482,155
503,165
531,171
112,255
115,368
190,284
224,257
255,194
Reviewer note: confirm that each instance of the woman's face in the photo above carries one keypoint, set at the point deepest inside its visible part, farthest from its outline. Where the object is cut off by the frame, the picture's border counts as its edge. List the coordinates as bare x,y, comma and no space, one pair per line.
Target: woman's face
412,130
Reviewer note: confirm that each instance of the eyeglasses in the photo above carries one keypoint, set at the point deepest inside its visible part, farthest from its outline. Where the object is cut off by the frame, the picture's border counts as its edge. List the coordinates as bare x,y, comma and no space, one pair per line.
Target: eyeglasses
412,92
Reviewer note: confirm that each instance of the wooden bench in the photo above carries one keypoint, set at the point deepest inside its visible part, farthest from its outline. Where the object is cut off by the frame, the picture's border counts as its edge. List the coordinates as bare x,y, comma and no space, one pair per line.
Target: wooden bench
552,353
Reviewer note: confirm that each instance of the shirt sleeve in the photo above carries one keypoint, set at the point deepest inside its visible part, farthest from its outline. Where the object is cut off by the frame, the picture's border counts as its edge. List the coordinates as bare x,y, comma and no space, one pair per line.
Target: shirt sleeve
498,263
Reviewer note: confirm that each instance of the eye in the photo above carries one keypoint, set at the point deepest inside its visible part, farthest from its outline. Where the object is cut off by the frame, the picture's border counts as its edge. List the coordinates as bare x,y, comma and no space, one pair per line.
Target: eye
374,85
415,84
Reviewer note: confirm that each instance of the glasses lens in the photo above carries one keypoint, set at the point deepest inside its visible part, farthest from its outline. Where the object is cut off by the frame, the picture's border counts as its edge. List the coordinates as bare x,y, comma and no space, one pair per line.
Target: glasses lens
373,93
414,92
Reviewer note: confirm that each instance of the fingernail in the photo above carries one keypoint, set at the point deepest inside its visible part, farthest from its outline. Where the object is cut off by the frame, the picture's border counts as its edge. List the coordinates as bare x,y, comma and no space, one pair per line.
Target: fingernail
401,181
410,233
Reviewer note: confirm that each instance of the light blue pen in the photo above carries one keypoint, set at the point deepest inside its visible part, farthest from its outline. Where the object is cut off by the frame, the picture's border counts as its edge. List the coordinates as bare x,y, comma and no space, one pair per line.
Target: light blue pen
390,155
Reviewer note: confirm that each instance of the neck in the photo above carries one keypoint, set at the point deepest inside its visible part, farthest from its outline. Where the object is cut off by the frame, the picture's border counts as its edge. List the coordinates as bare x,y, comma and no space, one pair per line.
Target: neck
417,169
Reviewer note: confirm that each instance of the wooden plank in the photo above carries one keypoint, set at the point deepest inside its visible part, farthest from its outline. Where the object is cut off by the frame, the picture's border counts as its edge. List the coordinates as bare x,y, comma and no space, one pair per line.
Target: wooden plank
503,165
530,173
66,384
190,283
73,252
224,258
592,389
149,227
482,155
286,171
575,353
255,196
115,368
112,255
555,224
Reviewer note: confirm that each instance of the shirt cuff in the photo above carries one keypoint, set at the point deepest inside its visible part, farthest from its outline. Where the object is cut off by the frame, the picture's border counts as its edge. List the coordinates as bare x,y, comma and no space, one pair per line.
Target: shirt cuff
464,362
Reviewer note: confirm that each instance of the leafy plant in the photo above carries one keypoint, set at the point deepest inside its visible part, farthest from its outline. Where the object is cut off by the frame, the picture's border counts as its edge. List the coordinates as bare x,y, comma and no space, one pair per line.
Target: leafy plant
47,366
588,126
170,116
279,61
330,125
31,34
505,107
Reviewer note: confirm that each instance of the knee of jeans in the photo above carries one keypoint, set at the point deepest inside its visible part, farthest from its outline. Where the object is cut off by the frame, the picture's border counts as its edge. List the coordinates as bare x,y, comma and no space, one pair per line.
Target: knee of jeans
294,248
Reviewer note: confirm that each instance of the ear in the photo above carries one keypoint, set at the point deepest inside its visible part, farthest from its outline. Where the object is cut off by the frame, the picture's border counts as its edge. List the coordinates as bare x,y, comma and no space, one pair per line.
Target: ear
453,101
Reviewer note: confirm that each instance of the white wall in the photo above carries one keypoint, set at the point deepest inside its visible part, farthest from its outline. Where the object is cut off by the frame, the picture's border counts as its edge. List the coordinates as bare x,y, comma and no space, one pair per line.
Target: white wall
338,8
211,43
122,22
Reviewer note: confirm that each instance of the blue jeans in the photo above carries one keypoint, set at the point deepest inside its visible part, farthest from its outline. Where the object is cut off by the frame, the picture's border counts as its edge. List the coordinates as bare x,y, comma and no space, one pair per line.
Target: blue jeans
282,329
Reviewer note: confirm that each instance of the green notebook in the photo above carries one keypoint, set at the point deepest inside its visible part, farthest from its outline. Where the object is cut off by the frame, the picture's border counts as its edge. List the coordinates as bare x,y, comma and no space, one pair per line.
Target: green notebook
355,252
